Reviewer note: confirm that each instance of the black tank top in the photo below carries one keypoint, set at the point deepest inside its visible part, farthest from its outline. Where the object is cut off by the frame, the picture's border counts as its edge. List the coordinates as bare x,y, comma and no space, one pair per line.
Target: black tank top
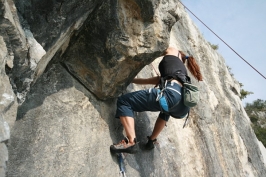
171,66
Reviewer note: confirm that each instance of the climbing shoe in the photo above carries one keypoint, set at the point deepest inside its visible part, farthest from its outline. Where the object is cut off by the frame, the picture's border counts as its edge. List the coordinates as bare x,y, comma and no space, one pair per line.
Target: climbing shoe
125,146
150,144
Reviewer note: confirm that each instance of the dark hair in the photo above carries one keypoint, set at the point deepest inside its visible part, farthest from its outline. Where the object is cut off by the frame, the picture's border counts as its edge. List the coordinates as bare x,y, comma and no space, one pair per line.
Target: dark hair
192,66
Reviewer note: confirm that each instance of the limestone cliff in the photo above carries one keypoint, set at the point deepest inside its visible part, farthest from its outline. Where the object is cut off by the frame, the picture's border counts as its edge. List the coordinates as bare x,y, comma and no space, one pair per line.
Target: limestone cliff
62,66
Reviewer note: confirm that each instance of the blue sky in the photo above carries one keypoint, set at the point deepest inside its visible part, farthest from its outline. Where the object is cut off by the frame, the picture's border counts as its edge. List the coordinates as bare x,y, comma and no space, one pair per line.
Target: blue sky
242,25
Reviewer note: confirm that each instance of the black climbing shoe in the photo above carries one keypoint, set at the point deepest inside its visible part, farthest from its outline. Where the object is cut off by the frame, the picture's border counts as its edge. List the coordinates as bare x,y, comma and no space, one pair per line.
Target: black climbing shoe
125,146
150,144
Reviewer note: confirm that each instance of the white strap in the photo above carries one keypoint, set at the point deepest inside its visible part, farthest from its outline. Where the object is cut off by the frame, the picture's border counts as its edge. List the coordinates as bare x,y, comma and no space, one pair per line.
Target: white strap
174,90
161,92
159,96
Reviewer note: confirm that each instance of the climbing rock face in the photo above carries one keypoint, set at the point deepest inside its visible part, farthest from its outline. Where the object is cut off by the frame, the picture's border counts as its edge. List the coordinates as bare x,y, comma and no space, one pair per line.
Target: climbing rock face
62,66
98,40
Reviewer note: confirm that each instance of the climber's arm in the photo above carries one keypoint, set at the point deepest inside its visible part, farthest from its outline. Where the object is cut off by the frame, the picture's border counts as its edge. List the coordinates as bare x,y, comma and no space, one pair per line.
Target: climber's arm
152,80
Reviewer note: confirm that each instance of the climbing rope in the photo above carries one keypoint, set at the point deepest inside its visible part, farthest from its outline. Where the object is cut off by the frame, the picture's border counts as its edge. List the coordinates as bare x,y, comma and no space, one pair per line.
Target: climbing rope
223,41
155,70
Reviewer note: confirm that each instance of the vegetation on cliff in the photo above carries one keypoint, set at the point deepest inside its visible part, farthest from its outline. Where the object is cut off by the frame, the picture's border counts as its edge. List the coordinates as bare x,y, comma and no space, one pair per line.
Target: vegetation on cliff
257,114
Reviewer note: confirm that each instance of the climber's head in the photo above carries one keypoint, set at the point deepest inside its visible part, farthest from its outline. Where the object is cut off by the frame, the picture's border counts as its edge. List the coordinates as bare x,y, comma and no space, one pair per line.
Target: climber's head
171,51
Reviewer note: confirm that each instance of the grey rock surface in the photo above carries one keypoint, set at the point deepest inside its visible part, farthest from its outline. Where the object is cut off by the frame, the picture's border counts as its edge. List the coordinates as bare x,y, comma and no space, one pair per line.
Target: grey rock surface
67,61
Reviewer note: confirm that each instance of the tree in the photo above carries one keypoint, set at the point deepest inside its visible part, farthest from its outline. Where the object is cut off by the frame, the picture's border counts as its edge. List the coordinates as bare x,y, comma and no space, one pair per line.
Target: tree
257,105
258,123
244,94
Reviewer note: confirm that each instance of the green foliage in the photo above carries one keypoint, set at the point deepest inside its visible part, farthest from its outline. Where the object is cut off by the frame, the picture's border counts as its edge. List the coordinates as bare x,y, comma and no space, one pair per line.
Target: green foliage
244,94
230,71
251,109
254,119
261,134
257,105
213,46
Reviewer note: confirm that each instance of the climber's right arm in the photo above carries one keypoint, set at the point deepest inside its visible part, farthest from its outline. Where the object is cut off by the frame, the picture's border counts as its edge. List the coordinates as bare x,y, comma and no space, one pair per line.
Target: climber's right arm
151,81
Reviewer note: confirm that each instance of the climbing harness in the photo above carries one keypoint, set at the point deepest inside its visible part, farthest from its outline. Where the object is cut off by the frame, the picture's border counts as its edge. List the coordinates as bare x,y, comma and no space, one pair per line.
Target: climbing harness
161,98
163,102
120,159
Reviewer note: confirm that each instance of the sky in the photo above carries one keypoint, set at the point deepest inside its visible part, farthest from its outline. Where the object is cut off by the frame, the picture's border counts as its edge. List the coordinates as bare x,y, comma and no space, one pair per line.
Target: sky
242,25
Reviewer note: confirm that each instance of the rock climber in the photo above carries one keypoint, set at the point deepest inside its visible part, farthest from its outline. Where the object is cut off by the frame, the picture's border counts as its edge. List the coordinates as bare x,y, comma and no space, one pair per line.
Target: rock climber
173,63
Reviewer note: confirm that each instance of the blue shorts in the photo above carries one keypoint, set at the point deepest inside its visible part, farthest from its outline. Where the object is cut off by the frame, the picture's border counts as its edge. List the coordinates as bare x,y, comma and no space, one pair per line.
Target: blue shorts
145,100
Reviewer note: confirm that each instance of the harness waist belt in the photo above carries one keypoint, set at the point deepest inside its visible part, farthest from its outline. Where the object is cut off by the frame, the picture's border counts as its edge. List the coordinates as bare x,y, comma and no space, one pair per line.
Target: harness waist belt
174,90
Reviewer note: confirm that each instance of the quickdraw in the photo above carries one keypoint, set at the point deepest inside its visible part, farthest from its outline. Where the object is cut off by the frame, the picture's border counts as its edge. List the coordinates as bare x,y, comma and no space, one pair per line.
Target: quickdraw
120,159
